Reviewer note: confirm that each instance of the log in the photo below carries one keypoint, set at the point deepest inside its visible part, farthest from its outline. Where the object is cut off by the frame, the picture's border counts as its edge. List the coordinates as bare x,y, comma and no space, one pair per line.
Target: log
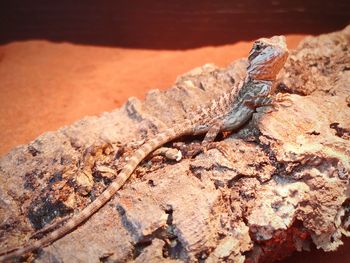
281,185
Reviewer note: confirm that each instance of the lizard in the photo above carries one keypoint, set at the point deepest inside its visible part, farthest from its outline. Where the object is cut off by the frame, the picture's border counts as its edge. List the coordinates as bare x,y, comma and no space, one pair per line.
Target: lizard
227,113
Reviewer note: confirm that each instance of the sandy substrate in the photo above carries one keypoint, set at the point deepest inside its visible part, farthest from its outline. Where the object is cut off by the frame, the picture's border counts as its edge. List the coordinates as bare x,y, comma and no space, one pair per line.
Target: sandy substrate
45,85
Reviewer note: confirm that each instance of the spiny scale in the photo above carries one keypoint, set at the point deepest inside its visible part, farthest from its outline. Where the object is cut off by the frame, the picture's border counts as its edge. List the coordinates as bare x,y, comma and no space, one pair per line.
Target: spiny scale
228,112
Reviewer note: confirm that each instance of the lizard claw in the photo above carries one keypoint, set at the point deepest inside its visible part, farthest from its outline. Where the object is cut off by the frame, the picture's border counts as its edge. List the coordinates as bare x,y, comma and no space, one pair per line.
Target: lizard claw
223,148
279,100
283,97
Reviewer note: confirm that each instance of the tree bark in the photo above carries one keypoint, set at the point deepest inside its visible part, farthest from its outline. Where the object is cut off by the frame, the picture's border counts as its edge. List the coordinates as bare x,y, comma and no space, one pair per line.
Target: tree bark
279,184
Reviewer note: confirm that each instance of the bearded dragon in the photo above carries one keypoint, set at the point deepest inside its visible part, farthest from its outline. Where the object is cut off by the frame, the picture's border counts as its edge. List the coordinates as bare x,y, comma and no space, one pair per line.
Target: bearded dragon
227,113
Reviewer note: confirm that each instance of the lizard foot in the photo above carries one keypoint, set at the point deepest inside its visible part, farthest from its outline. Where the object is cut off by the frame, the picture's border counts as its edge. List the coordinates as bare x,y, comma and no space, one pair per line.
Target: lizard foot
221,147
278,101
281,98
189,150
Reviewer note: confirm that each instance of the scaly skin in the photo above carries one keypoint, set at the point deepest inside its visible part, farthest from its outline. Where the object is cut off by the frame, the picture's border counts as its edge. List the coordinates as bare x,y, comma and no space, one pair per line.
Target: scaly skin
228,113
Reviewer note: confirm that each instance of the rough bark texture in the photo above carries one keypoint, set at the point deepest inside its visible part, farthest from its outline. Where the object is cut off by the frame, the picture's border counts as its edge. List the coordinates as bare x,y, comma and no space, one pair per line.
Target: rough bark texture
279,184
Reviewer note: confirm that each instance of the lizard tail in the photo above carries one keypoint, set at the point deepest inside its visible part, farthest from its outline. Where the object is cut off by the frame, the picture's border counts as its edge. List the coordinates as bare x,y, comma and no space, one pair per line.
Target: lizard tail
123,176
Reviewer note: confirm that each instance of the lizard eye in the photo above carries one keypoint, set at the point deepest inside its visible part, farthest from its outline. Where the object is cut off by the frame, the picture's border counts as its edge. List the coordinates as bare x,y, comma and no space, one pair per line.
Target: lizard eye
258,47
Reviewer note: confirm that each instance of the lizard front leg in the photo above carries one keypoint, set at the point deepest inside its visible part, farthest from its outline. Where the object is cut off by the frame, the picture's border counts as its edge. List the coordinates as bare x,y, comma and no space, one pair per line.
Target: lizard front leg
256,102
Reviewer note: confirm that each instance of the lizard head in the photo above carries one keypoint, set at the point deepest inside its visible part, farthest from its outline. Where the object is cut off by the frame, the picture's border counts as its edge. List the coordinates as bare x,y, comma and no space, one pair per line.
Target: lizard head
267,58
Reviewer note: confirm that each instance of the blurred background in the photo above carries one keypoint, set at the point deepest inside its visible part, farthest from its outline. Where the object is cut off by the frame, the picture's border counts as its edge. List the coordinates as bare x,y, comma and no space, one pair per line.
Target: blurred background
62,60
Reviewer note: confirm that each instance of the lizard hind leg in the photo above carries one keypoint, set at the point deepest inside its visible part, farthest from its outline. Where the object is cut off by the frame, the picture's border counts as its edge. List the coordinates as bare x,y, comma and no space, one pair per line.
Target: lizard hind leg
210,136
212,131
